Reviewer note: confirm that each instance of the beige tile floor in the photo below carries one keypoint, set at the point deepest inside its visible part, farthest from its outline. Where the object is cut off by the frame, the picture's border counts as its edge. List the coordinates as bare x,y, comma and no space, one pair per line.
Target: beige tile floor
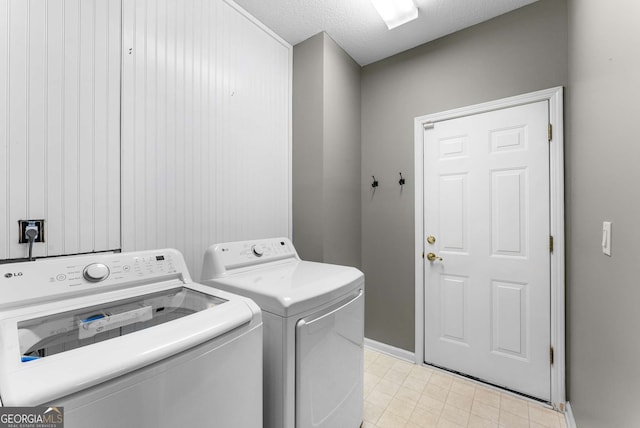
399,394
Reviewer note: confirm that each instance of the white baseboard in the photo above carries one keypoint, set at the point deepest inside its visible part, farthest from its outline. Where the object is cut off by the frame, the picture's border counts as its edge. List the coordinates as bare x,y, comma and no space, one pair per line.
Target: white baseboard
390,350
568,415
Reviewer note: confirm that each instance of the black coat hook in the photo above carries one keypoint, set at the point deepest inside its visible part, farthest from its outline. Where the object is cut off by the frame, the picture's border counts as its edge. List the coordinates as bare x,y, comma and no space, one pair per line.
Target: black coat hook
402,180
375,182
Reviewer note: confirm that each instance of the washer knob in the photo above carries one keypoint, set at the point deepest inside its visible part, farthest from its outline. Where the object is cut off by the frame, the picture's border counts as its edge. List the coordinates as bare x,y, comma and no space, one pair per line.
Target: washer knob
257,251
96,272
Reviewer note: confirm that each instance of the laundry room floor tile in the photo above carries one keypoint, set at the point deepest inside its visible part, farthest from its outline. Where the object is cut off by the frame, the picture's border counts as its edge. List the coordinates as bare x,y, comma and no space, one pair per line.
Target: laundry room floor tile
400,394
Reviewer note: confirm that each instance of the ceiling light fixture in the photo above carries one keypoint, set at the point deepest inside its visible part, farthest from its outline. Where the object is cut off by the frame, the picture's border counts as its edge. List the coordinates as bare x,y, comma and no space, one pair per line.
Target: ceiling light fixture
396,12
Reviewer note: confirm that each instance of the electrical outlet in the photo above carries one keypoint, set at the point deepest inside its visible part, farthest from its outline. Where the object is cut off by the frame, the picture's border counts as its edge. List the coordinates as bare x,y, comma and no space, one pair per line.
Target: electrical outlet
22,237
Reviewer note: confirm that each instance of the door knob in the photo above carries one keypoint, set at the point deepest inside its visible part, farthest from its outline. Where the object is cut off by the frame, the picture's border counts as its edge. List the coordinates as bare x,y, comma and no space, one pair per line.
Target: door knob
432,257
431,239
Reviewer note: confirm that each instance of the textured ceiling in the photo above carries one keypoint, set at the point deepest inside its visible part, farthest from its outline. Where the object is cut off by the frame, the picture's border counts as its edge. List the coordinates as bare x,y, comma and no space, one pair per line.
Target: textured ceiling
356,26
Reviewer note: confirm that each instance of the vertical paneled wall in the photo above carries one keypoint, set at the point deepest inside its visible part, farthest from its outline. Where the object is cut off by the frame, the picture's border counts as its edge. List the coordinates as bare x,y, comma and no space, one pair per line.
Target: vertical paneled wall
60,124
205,127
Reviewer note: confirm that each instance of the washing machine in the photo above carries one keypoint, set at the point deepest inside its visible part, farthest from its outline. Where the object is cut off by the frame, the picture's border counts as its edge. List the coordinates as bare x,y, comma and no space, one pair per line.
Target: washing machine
128,340
313,315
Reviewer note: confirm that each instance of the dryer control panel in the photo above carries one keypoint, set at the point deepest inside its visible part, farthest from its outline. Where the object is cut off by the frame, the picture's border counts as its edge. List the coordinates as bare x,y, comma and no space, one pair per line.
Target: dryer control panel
46,279
221,259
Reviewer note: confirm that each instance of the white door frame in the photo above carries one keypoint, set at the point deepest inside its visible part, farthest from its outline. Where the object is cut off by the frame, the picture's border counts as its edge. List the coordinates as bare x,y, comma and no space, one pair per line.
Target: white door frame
556,182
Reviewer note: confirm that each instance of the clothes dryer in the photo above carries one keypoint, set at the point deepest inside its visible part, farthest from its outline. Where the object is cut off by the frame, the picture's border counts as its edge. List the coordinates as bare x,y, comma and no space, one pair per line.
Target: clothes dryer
313,315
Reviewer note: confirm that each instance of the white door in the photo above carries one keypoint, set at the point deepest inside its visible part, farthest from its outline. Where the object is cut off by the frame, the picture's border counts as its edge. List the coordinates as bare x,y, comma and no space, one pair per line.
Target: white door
487,302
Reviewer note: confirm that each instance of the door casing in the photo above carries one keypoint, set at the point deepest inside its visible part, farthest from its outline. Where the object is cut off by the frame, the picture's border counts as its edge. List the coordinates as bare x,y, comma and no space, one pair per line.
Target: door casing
556,180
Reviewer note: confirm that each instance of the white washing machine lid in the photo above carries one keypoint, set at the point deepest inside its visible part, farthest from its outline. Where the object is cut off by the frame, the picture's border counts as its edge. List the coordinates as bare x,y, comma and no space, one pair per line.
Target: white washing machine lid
62,333
31,382
291,287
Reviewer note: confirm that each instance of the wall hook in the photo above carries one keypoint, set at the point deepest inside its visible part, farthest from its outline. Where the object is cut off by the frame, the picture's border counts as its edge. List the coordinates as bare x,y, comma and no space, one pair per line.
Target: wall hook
375,182
402,180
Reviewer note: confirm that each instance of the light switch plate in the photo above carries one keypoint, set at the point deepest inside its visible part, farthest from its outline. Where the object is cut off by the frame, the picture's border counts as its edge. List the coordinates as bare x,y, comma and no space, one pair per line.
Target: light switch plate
606,238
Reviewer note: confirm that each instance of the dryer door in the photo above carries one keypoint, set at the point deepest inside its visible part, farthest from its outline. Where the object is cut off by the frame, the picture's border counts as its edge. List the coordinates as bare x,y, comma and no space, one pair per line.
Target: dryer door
329,366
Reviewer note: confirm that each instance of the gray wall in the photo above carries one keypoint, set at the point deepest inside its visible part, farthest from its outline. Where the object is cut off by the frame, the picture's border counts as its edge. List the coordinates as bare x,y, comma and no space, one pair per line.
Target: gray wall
308,173
342,213
603,151
326,152
523,51
526,50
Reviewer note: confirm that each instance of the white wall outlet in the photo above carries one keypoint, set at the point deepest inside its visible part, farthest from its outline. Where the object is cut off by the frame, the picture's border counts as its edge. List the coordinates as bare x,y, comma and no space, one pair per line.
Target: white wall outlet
606,238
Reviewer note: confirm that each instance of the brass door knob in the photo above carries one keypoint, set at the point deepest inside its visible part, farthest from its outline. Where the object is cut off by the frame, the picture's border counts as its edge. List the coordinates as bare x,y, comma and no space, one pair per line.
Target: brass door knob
432,257
431,239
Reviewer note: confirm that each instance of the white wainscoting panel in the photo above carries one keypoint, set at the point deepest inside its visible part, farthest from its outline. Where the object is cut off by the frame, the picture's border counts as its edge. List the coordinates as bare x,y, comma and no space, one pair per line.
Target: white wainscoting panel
60,124
206,141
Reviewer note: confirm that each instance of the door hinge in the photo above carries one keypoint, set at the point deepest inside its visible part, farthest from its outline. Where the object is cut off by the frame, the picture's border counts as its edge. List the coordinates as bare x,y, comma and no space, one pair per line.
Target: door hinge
551,355
551,244
550,132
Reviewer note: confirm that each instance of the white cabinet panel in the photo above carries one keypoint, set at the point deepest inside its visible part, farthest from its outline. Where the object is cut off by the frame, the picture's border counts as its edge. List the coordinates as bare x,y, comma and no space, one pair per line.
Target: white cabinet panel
60,126
453,292
508,212
206,127
509,318
453,212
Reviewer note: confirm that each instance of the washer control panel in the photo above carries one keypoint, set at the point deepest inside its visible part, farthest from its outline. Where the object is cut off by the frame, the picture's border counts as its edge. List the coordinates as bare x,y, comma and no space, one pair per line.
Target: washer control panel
63,275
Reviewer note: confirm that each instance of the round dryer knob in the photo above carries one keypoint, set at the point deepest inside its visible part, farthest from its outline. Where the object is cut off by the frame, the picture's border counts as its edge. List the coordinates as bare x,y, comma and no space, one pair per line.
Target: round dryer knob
96,272
257,251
